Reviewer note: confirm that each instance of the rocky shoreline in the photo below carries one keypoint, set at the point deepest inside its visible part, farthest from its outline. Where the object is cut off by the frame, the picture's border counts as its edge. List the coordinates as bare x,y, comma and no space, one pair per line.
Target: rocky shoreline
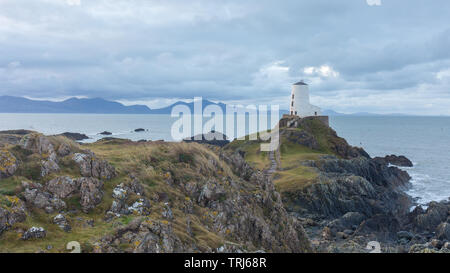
190,197
358,199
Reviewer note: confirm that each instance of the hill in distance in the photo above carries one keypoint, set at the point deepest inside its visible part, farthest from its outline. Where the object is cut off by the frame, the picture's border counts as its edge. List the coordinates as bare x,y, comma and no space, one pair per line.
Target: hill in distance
11,104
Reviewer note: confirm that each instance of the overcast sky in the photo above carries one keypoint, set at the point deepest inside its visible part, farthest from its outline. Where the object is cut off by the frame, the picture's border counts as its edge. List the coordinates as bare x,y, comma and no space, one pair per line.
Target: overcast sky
387,57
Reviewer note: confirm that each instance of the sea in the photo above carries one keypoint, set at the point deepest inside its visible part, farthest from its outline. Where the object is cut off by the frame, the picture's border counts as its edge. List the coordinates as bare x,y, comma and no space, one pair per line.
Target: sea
424,140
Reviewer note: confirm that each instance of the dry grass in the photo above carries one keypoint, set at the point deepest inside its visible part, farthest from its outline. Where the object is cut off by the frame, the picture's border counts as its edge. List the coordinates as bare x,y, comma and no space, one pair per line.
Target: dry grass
295,179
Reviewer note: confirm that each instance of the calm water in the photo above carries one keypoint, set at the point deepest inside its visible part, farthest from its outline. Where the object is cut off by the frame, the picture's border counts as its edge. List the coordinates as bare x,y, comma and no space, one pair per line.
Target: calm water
425,140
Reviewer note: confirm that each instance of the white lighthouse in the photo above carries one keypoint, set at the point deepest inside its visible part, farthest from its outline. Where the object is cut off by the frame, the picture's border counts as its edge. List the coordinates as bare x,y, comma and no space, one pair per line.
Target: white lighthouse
300,105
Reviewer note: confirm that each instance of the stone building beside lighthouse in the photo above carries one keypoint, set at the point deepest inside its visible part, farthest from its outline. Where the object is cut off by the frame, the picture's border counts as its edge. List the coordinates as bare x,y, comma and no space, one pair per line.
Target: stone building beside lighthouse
300,105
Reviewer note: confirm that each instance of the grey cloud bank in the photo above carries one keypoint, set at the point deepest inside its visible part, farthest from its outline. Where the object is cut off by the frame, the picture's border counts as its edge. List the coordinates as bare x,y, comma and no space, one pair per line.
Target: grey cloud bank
385,58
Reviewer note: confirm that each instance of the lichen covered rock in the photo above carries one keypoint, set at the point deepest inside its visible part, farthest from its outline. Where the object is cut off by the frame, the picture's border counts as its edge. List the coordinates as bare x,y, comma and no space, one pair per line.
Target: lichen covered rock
63,186
91,193
35,196
91,166
12,210
8,164
34,233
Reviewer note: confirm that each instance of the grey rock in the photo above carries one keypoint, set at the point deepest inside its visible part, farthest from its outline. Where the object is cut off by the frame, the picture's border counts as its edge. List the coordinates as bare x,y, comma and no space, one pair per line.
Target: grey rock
167,212
62,222
38,198
400,161
34,233
91,193
63,187
12,214
405,235
140,207
443,231
435,214
64,150
91,166
8,164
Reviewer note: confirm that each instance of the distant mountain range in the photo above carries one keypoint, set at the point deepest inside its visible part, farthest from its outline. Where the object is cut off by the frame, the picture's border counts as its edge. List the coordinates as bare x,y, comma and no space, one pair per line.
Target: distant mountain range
10,104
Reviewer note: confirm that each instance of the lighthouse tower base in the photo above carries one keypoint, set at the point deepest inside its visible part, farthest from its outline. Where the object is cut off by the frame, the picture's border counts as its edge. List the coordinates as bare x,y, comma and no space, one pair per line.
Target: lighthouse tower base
290,120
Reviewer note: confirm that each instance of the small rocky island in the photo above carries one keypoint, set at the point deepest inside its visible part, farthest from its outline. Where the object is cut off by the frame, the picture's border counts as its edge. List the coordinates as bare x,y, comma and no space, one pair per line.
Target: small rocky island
316,193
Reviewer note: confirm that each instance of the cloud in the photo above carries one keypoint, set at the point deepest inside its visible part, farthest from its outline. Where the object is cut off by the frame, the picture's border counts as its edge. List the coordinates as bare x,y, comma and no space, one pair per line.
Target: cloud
373,2
153,51
324,71
14,64
73,2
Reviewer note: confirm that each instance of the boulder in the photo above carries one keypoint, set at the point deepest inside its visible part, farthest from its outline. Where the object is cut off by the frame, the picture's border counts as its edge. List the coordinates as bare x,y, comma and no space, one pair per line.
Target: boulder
8,164
140,207
37,143
443,231
49,166
91,193
91,166
34,233
42,145
12,210
64,150
350,220
400,161
405,235
63,187
139,130
38,198
105,133
167,212
435,214
120,194
62,222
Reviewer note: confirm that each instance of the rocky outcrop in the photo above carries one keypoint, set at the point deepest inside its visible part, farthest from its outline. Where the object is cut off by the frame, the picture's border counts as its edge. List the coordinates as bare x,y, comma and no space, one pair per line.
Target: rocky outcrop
432,217
91,166
8,164
12,210
443,231
400,161
144,235
249,225
64,150
301,137
211,138
63,187
124,205
35,196
91,193
75,136
42,145
247,211
13,137
316,135
357,185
